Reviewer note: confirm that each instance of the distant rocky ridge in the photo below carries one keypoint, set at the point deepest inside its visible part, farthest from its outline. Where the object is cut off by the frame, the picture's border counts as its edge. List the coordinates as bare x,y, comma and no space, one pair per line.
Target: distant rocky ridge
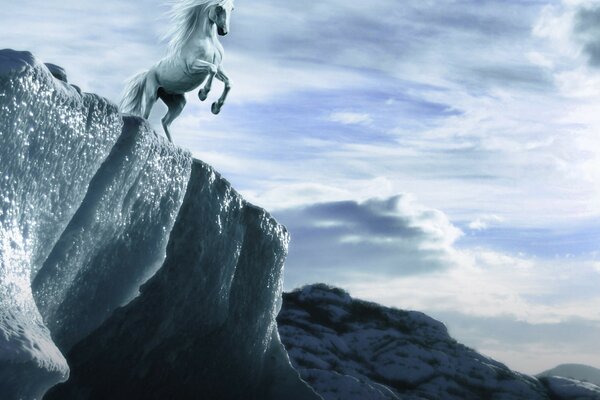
580,372
351,349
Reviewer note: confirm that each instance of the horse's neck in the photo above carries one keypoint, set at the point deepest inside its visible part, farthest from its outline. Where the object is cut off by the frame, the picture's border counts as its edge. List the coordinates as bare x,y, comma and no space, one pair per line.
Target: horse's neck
203,43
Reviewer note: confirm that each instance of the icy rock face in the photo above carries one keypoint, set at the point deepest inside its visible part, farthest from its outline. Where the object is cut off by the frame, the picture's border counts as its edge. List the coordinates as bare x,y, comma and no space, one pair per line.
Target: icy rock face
118,237
204,325
94,204
52,141
350,349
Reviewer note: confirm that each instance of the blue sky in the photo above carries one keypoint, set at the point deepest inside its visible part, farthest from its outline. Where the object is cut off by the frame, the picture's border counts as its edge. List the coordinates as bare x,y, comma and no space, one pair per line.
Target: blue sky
434,155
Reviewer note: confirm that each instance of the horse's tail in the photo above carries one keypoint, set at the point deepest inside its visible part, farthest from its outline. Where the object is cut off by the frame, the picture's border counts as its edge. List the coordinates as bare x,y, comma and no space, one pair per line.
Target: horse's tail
132,101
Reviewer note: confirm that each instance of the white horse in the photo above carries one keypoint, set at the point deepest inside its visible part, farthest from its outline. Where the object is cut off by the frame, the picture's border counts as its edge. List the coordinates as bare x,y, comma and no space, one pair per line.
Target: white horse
195,56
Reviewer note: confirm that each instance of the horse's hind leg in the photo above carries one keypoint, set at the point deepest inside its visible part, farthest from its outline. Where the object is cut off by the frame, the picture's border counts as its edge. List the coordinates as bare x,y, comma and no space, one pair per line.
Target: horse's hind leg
150,94
175,103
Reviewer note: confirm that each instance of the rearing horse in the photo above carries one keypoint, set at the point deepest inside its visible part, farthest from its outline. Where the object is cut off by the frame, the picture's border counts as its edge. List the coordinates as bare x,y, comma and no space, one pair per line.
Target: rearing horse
195,56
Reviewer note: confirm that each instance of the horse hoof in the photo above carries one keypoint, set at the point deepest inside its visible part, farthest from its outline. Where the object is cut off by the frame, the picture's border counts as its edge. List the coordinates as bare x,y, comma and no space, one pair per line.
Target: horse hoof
202,95
216,108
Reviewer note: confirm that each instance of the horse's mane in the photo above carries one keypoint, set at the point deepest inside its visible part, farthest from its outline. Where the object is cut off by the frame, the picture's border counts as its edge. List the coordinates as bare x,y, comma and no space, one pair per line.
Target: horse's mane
185,17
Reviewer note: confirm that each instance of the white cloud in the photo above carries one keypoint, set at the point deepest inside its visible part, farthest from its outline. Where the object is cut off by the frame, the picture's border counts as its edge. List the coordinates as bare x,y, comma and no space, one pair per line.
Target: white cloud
351,118
263,80
484,222
387,237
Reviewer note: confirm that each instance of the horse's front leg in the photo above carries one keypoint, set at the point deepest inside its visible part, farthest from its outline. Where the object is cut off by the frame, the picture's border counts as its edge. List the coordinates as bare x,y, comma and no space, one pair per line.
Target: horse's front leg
203,93
222,76
201,66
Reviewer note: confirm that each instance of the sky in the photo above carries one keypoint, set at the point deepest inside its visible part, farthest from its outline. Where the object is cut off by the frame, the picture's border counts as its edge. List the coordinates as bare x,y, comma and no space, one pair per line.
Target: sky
439,156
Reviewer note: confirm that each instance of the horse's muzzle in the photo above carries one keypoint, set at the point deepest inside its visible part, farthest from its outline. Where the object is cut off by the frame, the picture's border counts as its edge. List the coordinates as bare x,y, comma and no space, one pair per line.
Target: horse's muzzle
221,31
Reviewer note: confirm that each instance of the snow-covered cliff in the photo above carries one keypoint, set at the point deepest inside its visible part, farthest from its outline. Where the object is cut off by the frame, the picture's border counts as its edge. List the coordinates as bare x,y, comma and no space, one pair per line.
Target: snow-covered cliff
94,205
350,349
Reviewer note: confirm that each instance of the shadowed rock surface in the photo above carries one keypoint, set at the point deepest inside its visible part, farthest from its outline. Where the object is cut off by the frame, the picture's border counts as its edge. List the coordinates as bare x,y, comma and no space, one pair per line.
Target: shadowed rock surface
204,325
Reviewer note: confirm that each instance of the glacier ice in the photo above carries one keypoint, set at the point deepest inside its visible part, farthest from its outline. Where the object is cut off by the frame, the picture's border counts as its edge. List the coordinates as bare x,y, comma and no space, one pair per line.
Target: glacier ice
142,265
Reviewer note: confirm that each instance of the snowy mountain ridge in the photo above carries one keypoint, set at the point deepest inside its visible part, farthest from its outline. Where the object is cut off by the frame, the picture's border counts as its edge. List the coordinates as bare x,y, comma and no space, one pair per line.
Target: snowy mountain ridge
351,349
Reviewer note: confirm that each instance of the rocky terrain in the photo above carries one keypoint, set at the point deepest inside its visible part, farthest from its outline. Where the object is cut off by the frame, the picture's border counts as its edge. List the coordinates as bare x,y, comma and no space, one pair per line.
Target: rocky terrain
352,349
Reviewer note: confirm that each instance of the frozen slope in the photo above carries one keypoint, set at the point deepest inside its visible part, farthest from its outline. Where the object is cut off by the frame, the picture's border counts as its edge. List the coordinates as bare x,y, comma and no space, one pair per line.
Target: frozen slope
204,326
52,142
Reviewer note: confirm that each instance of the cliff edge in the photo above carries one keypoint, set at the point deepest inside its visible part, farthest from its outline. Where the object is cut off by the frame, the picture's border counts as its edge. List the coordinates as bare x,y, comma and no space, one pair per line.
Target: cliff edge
119,250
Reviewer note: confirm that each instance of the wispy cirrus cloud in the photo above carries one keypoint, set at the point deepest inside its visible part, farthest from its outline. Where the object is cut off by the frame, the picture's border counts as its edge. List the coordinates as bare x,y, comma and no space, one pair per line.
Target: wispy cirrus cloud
351,118
484,222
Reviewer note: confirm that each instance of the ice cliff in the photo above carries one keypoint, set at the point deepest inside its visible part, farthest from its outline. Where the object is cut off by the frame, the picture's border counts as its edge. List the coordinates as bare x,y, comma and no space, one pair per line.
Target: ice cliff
141,265
349,349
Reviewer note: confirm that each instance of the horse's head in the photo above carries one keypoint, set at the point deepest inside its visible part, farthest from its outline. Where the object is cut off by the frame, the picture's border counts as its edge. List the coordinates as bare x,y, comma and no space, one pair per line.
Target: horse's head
220,15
